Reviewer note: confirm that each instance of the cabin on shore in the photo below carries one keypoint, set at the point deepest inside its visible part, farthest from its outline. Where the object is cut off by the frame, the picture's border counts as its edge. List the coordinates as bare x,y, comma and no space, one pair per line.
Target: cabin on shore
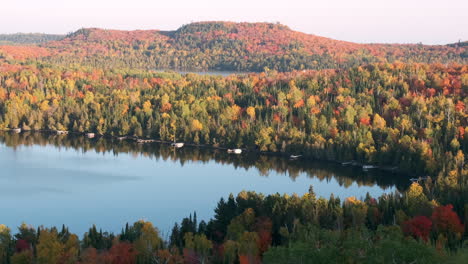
235,151
177,145
121,138
368,167
61,132
16,130
90,135
295,157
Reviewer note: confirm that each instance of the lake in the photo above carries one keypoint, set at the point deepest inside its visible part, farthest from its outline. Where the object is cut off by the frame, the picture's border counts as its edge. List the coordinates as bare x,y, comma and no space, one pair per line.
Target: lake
209,73
52,180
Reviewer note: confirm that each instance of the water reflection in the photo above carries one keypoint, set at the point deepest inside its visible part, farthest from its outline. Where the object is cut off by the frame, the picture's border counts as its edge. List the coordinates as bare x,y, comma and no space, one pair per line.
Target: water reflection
202,73
345,176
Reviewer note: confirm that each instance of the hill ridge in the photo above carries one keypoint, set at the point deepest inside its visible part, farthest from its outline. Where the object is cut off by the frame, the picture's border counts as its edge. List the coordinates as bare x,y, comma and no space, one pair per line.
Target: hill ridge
232,46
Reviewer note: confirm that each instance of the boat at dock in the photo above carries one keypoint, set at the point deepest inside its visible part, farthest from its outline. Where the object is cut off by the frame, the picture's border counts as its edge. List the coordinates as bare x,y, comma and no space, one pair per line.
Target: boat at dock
177,145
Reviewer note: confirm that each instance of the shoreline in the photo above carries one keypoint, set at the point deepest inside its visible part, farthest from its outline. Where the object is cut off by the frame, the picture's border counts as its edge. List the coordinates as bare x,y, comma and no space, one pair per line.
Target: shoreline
286,155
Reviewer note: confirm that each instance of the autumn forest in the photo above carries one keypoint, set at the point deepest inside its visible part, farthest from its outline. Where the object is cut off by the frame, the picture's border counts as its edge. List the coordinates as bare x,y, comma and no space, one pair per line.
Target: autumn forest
400,107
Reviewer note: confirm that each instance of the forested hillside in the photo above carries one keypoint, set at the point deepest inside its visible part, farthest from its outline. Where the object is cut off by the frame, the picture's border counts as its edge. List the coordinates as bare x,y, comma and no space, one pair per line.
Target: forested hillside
412,116
250,47
27,38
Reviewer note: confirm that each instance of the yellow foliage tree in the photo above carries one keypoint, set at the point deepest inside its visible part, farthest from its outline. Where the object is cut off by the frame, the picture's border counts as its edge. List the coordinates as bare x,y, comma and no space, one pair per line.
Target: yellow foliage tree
49,248
379,122
417,201
232,112
148,243
147,107
44,106
251,112
196,125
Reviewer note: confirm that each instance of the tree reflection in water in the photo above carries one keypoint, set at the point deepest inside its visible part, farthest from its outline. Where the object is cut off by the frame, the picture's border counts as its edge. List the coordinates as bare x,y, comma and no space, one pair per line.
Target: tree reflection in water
265,164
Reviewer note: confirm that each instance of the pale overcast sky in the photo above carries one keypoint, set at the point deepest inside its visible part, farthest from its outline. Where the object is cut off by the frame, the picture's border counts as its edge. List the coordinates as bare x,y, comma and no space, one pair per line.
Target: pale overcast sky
390,21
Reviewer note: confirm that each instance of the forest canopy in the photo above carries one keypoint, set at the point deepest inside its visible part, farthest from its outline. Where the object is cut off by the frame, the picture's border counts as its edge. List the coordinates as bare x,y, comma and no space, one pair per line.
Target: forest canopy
228,46
398,107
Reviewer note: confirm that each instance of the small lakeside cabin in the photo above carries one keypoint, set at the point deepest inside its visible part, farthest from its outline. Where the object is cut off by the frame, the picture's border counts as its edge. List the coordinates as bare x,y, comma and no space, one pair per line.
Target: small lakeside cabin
90,135
295,157
61,132
121,138
16,130
178,144
368,167
235,151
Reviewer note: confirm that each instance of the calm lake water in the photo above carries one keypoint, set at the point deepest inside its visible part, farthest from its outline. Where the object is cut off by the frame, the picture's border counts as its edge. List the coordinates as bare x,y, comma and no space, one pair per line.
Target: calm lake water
214,73
52,180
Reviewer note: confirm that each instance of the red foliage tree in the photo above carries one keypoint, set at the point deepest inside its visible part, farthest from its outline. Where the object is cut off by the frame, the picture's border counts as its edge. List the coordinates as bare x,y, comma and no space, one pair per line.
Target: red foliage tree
419,227
461,132
190,256
431,92
22,245
445,220
121,253
90,256
460,107
365,121
263,228
244,259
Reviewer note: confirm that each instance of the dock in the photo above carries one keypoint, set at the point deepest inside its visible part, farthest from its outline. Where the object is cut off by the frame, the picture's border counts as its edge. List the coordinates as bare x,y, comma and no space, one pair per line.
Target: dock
419,179
143,141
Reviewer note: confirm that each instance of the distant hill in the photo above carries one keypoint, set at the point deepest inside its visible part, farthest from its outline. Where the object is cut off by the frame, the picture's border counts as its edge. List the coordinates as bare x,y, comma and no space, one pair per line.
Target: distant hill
463,45
459,44
233,47
27,38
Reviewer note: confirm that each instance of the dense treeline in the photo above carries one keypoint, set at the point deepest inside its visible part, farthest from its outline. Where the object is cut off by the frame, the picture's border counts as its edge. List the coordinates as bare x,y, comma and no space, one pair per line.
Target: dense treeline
307,229
404,115
231,47
252,228
28,38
